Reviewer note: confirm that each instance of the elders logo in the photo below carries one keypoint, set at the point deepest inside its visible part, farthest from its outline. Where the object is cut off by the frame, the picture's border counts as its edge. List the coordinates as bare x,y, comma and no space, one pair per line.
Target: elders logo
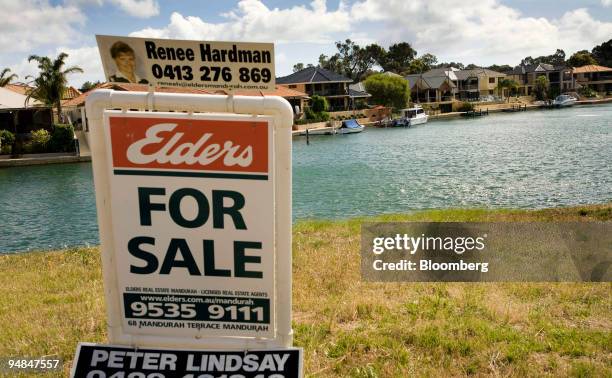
198,145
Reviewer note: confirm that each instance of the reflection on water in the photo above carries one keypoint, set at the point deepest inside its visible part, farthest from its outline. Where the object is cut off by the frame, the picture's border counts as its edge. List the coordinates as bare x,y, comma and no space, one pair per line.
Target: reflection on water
522,160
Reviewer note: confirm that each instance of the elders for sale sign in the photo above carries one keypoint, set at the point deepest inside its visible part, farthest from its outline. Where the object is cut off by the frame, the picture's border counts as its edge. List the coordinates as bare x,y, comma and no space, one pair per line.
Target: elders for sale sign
193,223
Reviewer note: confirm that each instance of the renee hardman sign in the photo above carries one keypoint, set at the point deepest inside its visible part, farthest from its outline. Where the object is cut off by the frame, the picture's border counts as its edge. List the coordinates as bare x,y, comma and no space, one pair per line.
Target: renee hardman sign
208,65
193,215
194,211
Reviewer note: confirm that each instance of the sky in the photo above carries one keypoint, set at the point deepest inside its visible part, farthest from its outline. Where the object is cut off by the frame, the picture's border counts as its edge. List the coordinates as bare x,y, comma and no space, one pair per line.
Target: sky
482,32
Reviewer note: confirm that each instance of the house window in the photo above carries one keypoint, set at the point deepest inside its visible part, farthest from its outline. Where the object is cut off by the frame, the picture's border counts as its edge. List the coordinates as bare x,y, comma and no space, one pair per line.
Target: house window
491,80
293,86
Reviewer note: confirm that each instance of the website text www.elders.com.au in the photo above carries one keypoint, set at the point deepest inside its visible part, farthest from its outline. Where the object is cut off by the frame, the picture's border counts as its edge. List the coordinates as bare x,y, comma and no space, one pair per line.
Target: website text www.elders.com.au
305,188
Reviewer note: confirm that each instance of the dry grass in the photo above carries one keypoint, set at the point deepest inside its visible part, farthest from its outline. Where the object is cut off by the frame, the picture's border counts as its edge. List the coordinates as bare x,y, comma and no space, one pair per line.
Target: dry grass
50,301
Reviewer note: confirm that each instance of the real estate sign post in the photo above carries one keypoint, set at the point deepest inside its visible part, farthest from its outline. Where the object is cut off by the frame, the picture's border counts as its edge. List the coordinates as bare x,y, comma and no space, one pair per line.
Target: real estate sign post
194,210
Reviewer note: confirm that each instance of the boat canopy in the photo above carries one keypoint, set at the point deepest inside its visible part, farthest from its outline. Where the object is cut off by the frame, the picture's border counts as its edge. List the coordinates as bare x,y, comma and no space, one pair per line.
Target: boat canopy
351,124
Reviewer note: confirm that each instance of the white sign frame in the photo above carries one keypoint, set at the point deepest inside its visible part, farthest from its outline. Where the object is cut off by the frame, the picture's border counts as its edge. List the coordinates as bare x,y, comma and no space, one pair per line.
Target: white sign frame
282,119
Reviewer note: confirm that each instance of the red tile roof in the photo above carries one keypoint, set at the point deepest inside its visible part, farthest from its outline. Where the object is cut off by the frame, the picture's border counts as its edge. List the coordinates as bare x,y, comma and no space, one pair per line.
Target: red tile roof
71,92
591,68
280,91
18,88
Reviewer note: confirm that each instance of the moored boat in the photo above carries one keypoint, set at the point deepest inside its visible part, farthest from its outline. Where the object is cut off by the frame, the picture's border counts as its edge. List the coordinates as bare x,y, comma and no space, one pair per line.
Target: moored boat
350,126
412,117
564,100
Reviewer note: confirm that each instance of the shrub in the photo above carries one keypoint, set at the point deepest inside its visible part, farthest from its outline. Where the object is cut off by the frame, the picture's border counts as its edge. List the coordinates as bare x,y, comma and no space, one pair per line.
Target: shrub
361,105
309,114
313,116
7,139
40,140
318,104
27,148
388,90
62,138
465,107
587,91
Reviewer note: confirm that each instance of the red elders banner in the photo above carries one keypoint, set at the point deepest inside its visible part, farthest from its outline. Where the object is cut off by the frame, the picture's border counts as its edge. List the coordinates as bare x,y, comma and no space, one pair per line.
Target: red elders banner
197,145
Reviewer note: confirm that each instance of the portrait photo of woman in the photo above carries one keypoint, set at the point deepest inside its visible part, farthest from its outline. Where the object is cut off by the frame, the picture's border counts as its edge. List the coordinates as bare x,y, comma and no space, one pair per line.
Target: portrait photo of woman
125,61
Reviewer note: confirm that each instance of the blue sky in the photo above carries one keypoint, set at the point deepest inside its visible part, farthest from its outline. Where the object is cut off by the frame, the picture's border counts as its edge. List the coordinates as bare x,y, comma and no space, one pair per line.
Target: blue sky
470,31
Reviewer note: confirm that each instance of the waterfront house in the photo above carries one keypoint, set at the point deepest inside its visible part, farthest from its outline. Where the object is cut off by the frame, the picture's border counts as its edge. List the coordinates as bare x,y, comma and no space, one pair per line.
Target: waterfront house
319,81
359,96
559,77
434,86
477,83
21,115
443,85
598,78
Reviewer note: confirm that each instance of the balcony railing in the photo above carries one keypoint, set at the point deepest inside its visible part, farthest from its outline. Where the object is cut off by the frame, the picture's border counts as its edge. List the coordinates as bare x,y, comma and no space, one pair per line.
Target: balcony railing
328,92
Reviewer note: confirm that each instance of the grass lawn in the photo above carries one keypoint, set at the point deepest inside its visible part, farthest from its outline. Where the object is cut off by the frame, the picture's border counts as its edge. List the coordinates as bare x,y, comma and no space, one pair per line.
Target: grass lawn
51,300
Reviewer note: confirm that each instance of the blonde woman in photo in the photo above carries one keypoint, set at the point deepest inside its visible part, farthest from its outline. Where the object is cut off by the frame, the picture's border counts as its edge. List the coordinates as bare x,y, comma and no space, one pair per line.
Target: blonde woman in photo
125,61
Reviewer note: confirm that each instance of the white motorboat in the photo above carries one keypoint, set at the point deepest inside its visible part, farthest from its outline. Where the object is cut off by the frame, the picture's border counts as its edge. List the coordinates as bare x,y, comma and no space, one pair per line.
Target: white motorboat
350,126
564,100
413,116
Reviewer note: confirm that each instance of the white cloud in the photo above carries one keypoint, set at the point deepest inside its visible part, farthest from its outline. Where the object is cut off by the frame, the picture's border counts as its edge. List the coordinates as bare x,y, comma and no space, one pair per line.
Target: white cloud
254,21
135,8
606,3
482,32
471,31
138,8
27,24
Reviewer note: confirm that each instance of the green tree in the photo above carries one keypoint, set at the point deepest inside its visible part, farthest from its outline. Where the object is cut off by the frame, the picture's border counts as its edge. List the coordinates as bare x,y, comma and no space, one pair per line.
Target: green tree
298,67
581,58
458,65
353,60
331,63
541,88
556,59
500,68
603,53
51,82
421,64
377,53
399,57
5,78
317,111
318,104
88,85
509,84
388,90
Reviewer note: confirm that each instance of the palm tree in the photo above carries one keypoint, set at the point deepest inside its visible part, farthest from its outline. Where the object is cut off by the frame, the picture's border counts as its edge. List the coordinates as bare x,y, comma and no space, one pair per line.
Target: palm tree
51,82
5,78
507,83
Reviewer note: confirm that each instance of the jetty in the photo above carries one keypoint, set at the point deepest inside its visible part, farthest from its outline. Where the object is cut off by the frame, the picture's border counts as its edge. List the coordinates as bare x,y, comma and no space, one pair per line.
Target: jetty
475,113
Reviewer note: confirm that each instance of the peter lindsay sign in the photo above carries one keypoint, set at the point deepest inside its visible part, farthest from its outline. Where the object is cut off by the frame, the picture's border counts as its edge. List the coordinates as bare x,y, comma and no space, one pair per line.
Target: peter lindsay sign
208,65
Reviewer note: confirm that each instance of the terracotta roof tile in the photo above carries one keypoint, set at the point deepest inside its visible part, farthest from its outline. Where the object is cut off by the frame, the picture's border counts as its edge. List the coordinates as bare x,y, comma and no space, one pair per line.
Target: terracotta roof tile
281,91
18,88
592,68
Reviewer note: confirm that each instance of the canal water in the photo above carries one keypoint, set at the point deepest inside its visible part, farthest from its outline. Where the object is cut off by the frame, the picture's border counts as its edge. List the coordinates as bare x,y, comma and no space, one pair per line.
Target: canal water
530,159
